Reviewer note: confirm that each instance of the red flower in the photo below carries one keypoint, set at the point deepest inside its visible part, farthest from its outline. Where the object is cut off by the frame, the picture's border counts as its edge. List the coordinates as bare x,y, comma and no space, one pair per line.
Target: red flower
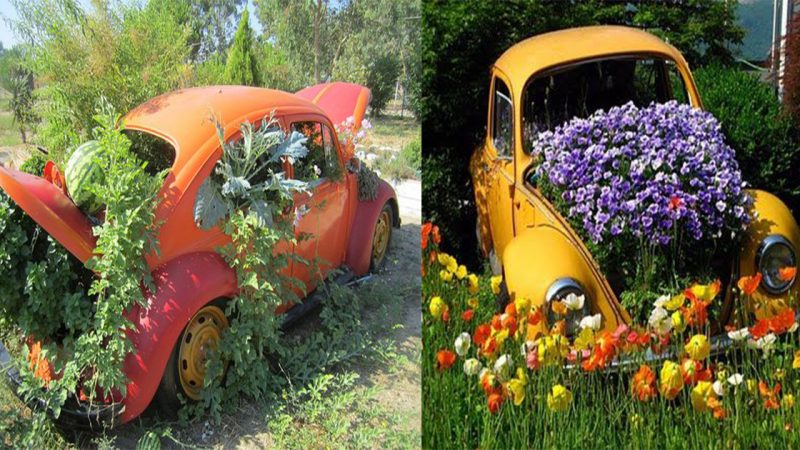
481,333
535,317
426,231
675,202
445,359
466,316
760,329
446,314
770,396
787,273
495,402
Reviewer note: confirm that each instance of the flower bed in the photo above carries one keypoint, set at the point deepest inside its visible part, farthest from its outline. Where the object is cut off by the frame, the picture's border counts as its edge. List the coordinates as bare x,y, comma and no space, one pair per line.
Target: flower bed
660,177
493,380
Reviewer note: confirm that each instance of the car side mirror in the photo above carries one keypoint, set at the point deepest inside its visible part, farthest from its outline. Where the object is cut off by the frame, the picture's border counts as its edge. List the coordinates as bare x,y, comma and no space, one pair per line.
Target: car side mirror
353,165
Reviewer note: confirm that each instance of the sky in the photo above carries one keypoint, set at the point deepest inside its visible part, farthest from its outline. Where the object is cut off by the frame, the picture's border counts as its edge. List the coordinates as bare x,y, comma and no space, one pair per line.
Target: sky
7,12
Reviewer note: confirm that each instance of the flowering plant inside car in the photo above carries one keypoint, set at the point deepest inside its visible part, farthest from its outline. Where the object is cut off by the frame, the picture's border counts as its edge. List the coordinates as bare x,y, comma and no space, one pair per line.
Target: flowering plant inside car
655,193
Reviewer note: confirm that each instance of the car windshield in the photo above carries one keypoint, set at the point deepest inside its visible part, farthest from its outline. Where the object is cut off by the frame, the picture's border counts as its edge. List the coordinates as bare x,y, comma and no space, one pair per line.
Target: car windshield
555,97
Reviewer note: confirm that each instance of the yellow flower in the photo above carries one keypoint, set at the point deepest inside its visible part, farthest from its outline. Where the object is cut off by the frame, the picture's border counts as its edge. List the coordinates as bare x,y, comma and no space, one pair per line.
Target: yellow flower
436,307
700,395
473,283
585,339
553,349
452,266
496,280
461,272
500,336
522,304
678,324
780,374
752,386
472,302
671,381
787,402
698,347
517,386
559,398
674,303
705,292
796,362
443,258
445,275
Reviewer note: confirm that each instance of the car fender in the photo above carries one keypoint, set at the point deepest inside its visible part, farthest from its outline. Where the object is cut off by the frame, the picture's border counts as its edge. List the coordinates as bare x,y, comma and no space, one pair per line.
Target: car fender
183,286
772,217
537,257
359,247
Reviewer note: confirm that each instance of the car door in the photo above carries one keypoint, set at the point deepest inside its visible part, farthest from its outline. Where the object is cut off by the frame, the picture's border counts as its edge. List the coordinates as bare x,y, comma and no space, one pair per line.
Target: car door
499,164
320,214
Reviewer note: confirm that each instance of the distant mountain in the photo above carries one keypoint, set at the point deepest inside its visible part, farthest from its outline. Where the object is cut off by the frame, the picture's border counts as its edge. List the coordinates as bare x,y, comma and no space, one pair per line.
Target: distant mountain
756,18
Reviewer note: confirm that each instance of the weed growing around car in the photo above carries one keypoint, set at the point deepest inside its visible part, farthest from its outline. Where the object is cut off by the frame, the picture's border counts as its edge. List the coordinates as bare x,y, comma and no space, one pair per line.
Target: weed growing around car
491,380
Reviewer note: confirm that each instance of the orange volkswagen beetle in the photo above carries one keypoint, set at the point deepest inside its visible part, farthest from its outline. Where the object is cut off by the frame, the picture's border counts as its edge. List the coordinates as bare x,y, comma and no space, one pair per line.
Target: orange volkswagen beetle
539,81
190,277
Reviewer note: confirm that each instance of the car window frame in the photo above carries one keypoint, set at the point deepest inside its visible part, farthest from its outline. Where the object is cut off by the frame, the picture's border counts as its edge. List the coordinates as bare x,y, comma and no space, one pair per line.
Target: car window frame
496,76
288,123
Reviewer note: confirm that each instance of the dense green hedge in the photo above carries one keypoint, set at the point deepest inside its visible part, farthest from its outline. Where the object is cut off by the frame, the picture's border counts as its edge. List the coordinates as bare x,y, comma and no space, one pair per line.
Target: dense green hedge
766,143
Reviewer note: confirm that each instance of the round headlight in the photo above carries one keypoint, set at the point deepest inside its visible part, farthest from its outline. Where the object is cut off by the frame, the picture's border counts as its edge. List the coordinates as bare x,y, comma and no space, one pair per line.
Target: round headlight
569,291
774,254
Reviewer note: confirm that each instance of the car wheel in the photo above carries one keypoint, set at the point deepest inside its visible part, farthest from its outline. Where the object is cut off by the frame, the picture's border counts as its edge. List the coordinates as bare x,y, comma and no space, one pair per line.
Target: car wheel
185,369
381,238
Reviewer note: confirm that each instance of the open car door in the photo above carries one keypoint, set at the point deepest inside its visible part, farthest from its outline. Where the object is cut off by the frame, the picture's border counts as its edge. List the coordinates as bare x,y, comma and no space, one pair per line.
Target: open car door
339,100
52,209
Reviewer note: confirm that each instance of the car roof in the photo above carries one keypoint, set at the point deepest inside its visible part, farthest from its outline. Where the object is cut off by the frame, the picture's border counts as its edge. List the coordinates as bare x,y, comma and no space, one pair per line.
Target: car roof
183,117
556,48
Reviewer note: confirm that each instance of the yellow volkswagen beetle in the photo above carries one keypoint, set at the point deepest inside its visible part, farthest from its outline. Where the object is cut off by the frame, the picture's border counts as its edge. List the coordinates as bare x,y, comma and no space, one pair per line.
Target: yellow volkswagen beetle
547,80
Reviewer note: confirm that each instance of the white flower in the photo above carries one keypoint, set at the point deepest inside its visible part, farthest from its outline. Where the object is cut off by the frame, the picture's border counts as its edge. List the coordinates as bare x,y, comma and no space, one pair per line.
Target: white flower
740,334
525,347
472,367
660,321
317,170
463,342
503,367
661,301
735,379
592,322
718,388
483,372
765,343
574,302
793,328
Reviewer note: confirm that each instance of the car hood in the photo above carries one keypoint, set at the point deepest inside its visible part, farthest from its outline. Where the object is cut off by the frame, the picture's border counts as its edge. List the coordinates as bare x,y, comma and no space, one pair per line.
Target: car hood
52,209
339,100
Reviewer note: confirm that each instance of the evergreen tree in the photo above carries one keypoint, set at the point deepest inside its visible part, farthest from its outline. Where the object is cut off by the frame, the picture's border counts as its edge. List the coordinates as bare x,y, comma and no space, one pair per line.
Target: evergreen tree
242,66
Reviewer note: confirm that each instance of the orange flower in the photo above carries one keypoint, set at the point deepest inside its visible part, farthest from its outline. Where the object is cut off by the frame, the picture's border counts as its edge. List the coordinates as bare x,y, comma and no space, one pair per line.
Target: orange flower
495,401
643,385
559,308
509,322
770,396
437,238
446,314
445,359
696,314
426,231
748,285
692,372
511,309
716,407
560,327
777,324
466,316
760,329
481,333
535,317
787,273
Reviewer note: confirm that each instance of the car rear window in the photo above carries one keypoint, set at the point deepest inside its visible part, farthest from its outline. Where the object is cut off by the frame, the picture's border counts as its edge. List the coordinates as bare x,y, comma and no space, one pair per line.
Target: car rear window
155,151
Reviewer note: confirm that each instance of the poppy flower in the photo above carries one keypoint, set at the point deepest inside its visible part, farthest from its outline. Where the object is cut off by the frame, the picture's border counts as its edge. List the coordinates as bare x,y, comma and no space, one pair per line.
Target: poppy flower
495,283
535,317
436,307
559,308
481,333
472,284
466,316
516,387
559,398
796,360
445,359
787,273
426,231
446,314
461,272
770,395
787,402
643,385
675,202
748,285
446,275
472,367
591,322
462,344
716,408
495,401
670,381
701,394
704,292
692,371
698,347
472,302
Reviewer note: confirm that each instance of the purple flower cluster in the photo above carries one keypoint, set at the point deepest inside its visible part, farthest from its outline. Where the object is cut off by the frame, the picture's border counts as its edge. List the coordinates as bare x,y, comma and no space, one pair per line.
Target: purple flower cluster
649,171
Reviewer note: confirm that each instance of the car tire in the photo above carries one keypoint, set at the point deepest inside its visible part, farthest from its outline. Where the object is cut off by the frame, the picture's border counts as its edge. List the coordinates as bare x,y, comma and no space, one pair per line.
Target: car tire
381,238
206,324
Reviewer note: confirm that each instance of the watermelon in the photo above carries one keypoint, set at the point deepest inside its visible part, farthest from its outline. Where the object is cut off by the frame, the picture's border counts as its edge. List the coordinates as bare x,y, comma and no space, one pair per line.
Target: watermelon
82,170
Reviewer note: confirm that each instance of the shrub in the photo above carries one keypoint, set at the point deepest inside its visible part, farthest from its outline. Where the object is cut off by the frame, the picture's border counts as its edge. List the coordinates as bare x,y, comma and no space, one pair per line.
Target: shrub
765,142
242,66
412,153
34,165
381,77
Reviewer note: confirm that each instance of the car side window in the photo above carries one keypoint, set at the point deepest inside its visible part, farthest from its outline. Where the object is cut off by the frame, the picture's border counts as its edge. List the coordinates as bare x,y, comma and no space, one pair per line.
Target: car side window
333,166
310,167
503,119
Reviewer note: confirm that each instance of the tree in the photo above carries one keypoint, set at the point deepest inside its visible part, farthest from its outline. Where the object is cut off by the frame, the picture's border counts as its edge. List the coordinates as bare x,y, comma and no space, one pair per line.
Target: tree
242,66
22,101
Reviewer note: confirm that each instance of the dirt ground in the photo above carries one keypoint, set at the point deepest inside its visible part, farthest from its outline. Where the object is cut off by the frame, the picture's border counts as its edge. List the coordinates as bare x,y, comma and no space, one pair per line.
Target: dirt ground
398,385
